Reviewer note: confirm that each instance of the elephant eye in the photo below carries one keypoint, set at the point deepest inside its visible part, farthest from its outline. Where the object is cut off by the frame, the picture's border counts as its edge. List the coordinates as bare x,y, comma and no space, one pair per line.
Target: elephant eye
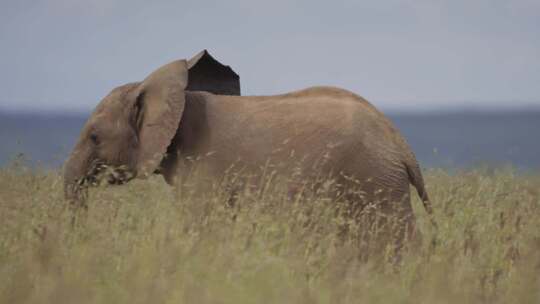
94,138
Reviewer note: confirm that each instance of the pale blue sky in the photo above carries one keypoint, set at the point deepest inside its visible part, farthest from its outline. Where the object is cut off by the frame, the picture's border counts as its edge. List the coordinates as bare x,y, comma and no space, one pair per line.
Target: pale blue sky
65,55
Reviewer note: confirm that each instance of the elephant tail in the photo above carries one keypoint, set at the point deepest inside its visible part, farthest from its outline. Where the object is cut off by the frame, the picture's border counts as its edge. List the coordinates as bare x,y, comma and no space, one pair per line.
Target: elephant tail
415,178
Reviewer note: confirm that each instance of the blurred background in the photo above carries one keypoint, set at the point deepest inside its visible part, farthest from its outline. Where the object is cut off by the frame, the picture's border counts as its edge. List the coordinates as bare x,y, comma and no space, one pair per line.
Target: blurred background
460,79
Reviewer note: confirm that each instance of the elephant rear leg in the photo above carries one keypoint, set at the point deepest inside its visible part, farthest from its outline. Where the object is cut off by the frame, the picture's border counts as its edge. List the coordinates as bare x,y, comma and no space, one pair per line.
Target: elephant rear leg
401,226
386,227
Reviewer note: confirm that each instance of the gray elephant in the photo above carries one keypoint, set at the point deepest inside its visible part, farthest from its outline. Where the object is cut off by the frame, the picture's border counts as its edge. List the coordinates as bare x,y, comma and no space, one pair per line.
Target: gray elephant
157,125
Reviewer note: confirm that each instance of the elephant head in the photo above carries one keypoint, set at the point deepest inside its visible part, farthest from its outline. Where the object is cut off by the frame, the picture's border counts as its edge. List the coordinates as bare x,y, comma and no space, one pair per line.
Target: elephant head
129,131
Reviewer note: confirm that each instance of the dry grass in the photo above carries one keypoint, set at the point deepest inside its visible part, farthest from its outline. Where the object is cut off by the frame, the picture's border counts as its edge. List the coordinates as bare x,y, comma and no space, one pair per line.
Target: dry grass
140,243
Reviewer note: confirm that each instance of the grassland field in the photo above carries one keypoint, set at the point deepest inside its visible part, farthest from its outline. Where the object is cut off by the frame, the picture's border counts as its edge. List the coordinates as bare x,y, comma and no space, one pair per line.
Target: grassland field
145,243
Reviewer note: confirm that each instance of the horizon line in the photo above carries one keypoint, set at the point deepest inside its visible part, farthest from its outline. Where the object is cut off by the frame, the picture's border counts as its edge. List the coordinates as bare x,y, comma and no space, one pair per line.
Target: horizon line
392,110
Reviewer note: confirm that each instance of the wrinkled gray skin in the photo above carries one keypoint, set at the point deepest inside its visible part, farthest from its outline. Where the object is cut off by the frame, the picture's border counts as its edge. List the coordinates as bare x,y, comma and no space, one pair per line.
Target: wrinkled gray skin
330,129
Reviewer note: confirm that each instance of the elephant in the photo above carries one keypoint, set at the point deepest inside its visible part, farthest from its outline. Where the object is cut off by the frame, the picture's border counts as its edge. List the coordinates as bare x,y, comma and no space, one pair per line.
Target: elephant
158,126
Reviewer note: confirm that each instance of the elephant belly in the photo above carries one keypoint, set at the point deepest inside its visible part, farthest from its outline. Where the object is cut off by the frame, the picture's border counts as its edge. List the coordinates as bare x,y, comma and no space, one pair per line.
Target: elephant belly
353,169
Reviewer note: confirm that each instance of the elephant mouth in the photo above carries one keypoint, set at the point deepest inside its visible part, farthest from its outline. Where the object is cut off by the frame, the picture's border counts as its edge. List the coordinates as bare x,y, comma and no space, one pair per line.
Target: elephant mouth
101,172
76,189
119,177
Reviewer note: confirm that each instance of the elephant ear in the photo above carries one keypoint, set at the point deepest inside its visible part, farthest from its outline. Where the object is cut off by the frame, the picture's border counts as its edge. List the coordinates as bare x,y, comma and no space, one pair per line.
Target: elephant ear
158,107
208,74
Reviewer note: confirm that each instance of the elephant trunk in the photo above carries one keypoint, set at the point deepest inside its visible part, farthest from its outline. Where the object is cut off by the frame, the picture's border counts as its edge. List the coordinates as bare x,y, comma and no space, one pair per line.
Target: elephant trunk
75,188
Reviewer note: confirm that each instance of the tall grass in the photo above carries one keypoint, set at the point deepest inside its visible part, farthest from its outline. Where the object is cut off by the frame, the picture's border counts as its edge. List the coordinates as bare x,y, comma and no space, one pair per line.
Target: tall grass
146,243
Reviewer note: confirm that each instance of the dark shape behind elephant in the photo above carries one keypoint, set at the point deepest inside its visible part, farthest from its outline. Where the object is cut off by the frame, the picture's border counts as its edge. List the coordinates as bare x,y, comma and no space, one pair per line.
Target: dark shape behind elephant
208,74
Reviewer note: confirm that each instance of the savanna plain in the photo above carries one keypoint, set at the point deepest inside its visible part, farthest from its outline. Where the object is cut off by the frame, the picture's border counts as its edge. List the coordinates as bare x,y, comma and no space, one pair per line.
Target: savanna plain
146,242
